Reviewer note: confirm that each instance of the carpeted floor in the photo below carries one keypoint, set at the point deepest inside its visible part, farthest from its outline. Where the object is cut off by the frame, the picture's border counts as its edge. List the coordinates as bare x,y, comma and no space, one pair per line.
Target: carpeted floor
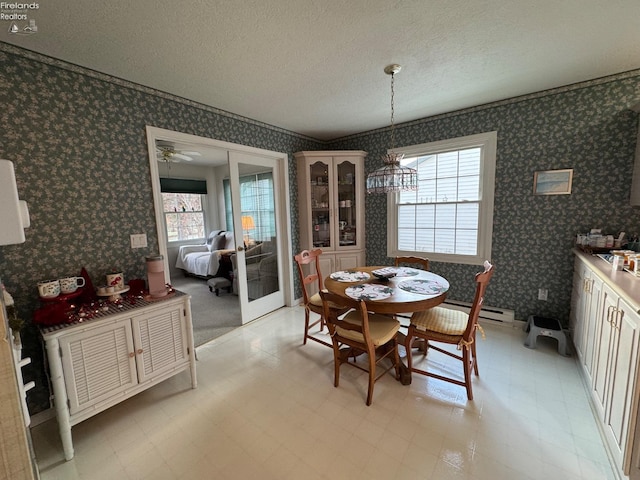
212,316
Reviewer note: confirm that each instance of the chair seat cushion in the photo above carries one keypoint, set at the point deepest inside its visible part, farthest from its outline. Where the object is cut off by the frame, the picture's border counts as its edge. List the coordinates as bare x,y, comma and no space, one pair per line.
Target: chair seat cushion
315,304
441,320
381,328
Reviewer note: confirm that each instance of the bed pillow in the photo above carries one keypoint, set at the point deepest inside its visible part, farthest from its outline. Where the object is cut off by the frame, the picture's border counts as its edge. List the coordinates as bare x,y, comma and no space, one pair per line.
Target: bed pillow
212,235
217,243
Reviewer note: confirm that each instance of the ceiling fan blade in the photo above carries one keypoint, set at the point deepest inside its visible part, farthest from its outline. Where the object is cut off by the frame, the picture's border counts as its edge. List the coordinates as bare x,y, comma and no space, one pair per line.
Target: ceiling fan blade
190,153
181,157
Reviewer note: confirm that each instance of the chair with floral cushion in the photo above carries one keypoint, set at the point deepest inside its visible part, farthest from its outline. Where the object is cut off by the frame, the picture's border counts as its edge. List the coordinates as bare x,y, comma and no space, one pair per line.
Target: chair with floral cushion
453,327
358,332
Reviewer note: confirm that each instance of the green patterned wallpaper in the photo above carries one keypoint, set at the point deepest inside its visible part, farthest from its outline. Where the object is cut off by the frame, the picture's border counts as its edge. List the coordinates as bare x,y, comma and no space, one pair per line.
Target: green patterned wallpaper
586,127
77,139
78,143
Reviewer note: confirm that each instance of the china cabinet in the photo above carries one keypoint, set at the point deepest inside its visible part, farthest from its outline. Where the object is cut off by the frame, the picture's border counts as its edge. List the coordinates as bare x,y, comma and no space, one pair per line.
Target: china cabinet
100,362
331,206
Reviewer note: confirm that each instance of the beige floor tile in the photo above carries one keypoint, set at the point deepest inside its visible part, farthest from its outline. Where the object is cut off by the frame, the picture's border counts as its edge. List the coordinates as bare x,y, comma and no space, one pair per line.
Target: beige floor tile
266,408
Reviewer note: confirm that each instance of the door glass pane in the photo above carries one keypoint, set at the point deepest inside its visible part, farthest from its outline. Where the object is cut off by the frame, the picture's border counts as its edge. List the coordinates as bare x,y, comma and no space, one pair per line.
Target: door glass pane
320,219
347,203
257,203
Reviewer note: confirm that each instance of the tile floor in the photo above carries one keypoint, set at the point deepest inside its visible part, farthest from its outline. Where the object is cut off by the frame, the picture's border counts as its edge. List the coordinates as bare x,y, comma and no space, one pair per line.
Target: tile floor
266,408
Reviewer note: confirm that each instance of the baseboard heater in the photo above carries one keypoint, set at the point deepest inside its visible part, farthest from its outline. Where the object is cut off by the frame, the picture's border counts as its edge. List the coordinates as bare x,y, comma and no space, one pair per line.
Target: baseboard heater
487,313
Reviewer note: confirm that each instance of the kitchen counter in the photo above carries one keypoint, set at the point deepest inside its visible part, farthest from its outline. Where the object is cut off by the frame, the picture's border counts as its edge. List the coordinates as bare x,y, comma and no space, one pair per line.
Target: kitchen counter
625,284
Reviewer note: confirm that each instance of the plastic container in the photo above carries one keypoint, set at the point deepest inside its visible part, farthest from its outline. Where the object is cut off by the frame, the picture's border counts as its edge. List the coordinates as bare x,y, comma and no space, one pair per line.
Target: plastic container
617,262
155,276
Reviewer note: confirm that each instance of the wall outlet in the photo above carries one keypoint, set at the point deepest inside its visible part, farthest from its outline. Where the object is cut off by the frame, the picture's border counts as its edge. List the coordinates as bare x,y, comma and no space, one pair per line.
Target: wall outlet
542,294
139,240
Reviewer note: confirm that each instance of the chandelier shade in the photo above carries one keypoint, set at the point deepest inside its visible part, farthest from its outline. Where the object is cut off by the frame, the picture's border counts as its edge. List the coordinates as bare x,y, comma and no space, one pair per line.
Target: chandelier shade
392,177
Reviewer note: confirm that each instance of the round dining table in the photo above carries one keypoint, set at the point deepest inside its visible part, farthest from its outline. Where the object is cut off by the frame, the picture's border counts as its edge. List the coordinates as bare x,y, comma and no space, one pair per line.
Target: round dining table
403,297
410,290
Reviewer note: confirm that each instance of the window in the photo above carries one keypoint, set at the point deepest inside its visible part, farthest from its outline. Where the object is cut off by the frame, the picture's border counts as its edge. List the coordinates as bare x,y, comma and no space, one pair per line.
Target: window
450,217
257,202
184,216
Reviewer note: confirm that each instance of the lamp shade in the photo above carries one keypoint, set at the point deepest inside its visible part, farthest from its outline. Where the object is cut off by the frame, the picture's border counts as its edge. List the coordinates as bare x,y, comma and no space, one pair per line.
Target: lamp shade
248,223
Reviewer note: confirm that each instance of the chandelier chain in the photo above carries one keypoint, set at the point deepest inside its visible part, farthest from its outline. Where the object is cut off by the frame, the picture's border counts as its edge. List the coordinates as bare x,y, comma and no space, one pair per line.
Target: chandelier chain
393,130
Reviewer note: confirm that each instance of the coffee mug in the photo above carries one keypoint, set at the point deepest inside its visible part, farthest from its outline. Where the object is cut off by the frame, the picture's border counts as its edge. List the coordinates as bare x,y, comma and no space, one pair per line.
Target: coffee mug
115,280
49,288
71,284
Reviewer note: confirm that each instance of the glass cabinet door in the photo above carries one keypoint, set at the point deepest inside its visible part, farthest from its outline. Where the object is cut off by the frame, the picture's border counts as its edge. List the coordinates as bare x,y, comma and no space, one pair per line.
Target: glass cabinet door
346,207
320,205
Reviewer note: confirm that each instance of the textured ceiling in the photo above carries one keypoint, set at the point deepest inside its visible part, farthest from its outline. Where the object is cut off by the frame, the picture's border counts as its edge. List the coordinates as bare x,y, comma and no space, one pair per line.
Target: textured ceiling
316,66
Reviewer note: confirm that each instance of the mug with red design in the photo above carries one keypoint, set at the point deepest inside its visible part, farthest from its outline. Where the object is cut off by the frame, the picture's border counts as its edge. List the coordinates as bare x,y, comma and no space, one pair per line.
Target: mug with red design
115,280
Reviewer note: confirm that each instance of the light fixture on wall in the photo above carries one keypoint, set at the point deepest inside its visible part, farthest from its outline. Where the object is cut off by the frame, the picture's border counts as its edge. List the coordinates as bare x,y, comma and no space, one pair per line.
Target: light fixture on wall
393,177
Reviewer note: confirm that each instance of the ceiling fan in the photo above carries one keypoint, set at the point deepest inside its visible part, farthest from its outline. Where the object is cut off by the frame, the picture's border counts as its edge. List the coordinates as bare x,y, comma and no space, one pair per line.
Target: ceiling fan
168,153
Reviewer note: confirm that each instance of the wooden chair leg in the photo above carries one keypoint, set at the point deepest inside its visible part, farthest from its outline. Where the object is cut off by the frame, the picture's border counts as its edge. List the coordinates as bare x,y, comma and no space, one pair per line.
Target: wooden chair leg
396,359
407,347
306,326
372,376
336,365
466,359
475,358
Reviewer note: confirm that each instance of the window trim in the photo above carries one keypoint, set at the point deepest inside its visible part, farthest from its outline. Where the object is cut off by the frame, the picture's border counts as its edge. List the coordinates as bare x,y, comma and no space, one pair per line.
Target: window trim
488,143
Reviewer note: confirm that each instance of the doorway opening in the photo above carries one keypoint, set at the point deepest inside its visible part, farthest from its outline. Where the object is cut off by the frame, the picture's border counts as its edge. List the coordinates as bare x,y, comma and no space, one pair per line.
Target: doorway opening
225,168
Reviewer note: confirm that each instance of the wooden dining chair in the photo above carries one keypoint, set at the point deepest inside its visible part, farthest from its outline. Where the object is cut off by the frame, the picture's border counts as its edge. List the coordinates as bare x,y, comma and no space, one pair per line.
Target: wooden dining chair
312,301
362,332
421,262
454,327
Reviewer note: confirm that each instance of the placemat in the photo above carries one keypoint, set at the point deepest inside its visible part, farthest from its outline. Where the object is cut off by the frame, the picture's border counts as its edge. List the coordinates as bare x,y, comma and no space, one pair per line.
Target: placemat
369,291
423,287
406,271
346,276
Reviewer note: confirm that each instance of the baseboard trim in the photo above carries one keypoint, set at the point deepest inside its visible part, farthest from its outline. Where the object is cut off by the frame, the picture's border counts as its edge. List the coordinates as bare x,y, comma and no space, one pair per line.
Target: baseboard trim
41,417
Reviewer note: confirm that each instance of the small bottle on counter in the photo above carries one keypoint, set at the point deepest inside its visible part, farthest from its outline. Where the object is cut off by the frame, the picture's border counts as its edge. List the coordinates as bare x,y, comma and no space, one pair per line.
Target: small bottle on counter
617,262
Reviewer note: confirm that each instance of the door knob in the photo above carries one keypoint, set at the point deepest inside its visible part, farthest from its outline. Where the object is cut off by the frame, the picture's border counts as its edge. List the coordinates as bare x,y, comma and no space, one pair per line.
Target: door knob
240,248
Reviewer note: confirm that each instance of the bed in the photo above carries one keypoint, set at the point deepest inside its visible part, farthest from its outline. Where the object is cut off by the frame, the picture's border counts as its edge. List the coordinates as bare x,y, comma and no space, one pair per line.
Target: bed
205,260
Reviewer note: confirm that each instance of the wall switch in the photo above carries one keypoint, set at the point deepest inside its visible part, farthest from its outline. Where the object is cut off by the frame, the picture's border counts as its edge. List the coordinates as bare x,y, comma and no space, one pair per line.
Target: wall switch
139,240
542,294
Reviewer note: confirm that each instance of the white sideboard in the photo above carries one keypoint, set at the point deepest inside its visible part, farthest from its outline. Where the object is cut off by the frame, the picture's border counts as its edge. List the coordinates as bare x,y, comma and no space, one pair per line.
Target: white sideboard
100,362
605,326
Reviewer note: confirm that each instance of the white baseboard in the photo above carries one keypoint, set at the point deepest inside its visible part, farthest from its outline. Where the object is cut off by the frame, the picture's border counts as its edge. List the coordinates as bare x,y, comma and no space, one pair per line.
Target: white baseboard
42,417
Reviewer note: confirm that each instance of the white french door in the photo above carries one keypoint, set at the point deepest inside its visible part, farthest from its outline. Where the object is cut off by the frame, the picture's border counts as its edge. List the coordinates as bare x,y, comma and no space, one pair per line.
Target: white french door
257,219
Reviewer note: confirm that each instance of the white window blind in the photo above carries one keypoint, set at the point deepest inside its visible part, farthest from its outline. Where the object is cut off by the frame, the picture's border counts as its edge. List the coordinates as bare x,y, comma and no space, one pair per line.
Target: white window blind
449,217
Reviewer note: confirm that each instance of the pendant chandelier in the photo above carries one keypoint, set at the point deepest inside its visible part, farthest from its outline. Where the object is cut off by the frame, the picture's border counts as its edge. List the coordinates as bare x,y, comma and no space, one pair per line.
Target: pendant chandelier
392,177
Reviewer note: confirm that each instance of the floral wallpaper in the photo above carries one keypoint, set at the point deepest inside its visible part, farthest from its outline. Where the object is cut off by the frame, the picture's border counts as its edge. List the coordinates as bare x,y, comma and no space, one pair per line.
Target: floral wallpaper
77,140
586,127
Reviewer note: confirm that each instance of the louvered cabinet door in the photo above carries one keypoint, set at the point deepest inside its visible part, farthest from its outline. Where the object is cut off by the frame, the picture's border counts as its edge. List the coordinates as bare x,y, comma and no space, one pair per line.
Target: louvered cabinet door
161,342
98,364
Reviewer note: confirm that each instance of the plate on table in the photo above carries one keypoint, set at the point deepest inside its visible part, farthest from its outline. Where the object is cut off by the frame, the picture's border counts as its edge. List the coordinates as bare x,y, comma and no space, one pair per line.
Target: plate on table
384,273
423,287
369,291
346,276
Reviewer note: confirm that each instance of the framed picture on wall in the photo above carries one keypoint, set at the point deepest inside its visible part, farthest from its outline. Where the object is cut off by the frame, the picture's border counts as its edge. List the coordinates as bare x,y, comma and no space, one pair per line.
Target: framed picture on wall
552,182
